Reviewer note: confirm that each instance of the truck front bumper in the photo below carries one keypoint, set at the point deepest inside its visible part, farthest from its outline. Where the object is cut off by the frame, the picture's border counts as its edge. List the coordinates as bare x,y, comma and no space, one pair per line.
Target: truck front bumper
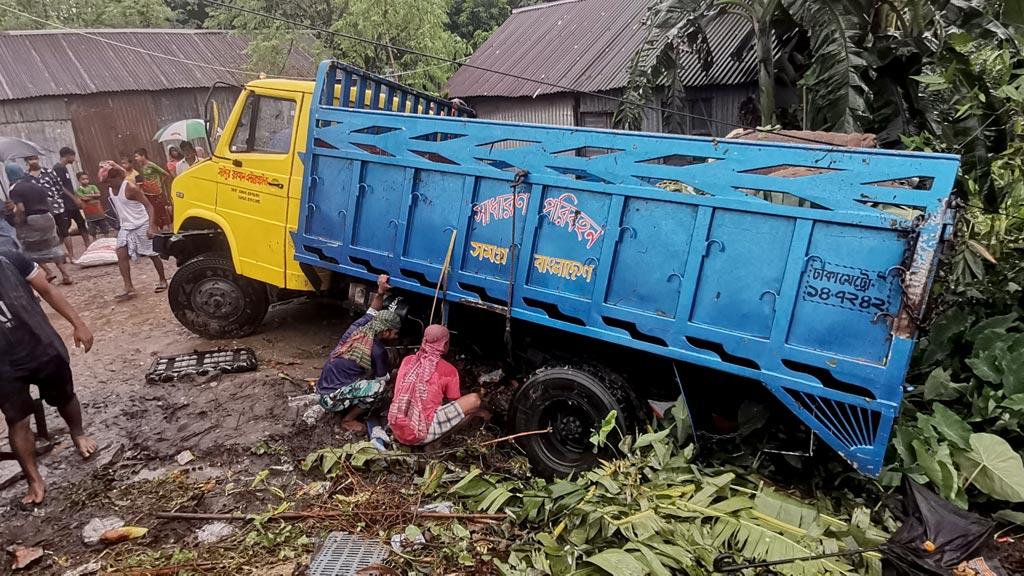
182,245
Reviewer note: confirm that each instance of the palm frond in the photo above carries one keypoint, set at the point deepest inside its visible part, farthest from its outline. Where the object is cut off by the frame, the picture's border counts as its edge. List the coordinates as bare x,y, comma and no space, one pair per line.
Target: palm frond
835,81
668,24
755,540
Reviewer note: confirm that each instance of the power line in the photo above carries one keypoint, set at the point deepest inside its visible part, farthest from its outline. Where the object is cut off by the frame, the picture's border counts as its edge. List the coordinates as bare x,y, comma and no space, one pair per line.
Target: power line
424,69
137,49
447,60
202,64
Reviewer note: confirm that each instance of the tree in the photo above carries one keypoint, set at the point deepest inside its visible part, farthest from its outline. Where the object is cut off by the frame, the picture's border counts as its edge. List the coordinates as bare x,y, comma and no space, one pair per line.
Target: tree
865,60
418,25
189,13
271,41
833,83
475,20
87,14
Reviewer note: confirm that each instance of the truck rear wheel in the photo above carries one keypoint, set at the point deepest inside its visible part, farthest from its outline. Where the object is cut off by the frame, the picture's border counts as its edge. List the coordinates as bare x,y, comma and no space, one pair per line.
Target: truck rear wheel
210,299
572,401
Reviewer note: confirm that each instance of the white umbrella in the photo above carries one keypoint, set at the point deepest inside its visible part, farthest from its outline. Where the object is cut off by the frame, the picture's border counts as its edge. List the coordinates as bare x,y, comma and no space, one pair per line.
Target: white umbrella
190,129
18,148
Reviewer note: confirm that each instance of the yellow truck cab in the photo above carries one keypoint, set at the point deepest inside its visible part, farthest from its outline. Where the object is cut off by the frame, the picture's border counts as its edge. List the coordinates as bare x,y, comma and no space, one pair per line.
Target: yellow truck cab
235,211
233,214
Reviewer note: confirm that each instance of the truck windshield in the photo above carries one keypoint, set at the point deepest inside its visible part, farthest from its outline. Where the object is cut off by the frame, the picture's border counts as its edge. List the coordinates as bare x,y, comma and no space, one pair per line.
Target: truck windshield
265,126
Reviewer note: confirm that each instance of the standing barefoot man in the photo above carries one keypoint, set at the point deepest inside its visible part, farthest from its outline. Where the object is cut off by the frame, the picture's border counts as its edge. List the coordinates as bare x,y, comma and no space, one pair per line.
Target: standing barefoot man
31,352
135,237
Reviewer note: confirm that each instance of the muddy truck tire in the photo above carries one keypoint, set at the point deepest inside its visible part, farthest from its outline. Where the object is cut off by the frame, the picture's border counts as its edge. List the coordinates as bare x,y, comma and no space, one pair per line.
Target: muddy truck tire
210,299
572,401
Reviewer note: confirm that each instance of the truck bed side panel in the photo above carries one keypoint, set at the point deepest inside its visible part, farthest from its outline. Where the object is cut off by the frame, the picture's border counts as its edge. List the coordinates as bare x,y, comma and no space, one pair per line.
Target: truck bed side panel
699,250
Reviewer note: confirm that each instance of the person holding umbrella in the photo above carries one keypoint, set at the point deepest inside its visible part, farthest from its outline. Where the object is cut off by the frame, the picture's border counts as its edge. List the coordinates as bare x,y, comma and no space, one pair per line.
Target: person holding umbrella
191,157
11,148
174,156
36,227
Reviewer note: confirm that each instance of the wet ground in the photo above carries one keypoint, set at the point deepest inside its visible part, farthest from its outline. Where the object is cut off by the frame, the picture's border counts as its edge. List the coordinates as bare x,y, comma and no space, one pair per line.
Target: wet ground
234,425
244,432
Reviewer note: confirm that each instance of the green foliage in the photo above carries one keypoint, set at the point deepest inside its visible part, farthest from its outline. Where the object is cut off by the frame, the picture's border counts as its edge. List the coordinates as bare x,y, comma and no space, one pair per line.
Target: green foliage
601,434
836,92
655,512
420,25
329,460
475,20
415,24
862,66
672,28
961,429
87,14
270,41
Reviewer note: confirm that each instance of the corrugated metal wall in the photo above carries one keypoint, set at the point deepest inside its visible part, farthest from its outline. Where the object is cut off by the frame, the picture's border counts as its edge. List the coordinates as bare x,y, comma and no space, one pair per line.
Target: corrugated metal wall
720,103
553,109
104,126
109,125
723,105
598,105
44,121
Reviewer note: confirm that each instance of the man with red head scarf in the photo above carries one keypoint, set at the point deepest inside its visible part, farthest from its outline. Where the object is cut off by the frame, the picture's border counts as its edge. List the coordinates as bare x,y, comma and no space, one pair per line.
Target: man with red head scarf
424,381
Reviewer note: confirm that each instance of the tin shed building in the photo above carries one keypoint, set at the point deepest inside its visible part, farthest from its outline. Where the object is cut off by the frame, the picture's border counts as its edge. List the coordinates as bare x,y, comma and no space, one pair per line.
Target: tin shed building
107,92
586,47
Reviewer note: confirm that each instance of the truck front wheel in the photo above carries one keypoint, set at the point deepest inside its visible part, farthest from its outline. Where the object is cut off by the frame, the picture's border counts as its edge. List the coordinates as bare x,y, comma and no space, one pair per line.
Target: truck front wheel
210,299
571,401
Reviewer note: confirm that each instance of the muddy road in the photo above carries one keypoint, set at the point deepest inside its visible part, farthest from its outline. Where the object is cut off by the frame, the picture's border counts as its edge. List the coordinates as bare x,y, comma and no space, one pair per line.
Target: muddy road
142,428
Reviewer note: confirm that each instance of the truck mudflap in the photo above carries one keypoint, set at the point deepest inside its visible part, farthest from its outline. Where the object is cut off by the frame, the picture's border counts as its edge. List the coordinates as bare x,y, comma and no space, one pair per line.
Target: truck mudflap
804,267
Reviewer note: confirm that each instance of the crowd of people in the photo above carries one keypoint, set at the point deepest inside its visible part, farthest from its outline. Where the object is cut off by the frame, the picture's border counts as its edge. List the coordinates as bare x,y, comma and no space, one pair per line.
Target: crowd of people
41,206
128,198
422,399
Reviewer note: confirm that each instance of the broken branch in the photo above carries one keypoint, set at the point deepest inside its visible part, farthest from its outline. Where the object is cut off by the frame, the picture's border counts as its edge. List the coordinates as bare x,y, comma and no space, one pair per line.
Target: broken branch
514,436
326,514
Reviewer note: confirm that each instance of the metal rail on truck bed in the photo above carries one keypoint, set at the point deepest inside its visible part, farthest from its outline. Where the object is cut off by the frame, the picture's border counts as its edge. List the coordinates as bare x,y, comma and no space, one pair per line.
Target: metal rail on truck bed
707,251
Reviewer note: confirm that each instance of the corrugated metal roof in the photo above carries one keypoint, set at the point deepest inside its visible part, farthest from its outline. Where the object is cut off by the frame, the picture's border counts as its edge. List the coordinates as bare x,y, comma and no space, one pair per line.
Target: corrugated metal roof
66,62
587,46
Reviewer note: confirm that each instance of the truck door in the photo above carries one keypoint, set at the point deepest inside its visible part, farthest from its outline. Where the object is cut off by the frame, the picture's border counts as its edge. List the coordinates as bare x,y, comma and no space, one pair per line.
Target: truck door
253,185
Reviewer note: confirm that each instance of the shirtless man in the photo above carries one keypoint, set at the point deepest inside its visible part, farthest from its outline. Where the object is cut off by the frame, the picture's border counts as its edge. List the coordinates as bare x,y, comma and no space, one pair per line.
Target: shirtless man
33,353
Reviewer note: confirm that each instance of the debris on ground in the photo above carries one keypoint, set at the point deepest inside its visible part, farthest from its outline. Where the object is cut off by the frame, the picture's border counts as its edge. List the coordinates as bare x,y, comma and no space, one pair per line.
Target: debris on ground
122,534
185,457
342,554
492,377
214,532
24,556
402,541
96,527
201,363
442,507
84,569
313,414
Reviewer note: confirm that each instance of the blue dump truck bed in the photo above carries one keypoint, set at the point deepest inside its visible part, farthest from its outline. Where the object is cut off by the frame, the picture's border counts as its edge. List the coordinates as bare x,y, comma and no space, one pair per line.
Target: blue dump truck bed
805,267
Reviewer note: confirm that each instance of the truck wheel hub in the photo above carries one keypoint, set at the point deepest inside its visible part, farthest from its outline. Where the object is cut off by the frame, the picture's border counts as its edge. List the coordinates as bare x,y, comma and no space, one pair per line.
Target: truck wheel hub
217,298
569,427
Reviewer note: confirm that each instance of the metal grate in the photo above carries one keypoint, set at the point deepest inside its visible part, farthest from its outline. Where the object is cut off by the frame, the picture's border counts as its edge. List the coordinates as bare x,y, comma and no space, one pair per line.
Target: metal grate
201,363
343,554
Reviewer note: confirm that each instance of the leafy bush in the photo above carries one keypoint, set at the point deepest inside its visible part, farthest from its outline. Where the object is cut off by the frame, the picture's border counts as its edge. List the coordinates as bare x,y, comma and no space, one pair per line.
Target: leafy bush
961,427
654,511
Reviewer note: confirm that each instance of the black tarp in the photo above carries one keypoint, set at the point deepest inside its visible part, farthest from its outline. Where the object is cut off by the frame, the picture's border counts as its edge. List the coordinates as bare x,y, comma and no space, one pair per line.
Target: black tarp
955,536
